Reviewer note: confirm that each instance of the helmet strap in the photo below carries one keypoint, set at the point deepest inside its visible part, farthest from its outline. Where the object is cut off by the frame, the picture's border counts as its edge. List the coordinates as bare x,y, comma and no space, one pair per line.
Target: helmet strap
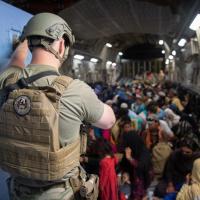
50,49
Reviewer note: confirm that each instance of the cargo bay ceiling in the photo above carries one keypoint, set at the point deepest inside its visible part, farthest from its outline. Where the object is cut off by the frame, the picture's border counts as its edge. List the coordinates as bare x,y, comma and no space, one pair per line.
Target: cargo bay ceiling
130,26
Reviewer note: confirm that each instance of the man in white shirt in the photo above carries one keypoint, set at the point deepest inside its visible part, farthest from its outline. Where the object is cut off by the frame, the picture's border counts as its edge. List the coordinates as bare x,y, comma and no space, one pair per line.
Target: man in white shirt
171,118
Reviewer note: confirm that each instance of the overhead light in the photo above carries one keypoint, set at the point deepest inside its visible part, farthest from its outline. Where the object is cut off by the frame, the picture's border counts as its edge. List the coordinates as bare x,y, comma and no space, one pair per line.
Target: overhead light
167,61
161,42
94,60
196,23
173,52
182,50
171,57
114,64
109,45
79,57
163,51
182,42
108,62
120,53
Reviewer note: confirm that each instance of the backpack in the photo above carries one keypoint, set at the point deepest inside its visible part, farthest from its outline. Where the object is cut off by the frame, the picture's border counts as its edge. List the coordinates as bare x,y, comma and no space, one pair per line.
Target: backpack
29,129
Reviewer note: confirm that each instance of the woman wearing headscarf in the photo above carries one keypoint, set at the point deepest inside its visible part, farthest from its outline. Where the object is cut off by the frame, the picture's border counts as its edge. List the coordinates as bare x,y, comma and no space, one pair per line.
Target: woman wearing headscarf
116,129
191,190
137,162
180,163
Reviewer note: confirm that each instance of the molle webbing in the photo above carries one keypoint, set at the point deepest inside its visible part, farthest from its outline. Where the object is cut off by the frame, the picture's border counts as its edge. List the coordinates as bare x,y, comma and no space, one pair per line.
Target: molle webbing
29,145
36,161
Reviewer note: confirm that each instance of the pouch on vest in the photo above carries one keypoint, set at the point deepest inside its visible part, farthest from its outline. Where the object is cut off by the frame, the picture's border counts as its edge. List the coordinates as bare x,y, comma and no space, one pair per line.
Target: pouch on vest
85,189
84,130
89,189
29,132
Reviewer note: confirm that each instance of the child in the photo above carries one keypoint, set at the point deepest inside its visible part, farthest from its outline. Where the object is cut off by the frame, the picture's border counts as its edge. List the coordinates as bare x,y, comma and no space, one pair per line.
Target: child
125,185
108,187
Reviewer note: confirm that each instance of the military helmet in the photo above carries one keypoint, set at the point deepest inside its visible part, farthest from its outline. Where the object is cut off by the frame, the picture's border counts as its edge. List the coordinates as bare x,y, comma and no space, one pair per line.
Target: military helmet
49,26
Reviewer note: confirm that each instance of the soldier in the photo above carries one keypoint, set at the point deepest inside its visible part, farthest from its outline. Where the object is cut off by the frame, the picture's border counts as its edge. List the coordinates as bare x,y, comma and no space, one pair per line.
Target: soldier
41,118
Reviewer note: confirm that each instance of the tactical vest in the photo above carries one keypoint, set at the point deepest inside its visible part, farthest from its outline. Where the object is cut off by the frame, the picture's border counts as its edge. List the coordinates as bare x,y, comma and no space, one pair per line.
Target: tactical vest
29,133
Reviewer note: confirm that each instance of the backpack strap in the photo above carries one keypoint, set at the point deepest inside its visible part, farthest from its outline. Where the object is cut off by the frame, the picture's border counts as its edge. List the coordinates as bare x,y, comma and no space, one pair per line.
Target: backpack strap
12,83
61,83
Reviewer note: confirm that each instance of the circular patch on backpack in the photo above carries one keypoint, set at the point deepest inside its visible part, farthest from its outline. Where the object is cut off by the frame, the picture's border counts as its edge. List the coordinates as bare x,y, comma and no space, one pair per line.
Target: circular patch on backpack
22,105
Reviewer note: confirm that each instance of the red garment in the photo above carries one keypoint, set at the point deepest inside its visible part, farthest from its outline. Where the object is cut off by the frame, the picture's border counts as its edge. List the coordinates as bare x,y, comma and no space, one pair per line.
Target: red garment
122,196
108,179
106,134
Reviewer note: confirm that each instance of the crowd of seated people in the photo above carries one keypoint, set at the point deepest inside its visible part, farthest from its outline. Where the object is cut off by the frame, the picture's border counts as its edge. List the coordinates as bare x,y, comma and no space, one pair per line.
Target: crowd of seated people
145,155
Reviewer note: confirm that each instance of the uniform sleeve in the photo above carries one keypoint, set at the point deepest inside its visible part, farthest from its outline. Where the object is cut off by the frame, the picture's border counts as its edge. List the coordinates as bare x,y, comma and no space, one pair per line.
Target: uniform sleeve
93,108
6,73
82,102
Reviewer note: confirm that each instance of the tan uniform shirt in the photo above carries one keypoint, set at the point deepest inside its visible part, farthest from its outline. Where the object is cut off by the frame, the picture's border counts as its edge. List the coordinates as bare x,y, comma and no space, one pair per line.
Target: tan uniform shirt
78,102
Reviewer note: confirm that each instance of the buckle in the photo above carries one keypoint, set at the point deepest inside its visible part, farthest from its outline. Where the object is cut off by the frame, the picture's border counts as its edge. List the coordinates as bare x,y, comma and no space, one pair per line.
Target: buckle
22,83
